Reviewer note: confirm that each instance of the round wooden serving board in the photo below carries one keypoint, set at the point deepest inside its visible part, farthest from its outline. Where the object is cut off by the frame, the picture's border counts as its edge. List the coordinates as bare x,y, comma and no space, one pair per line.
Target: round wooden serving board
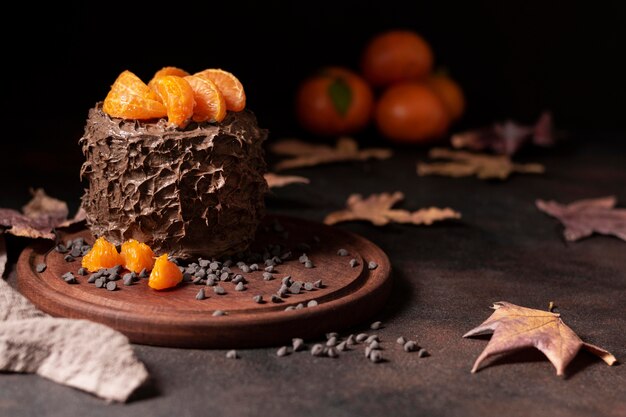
175,318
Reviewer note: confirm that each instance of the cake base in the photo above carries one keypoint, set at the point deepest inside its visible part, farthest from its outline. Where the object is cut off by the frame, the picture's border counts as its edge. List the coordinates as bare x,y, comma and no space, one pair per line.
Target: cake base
175,318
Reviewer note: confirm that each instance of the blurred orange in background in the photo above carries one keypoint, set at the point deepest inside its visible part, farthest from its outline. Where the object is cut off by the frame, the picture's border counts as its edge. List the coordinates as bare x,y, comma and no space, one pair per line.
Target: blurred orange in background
412,104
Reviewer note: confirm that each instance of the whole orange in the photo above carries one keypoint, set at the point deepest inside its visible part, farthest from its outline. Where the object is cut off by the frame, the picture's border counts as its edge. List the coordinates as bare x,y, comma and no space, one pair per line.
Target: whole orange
336,101
395,56
449,92
411,113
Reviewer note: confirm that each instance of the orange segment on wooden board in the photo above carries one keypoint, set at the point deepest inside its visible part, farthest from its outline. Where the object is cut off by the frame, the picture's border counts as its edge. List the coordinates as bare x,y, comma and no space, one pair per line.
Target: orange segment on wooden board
137,256
165,274
230,87
131,98
177,95
168,71
210,104
103,254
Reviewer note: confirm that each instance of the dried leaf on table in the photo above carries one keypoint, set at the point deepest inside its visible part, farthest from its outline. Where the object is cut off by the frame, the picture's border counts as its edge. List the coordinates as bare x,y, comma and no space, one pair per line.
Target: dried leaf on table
276,181
584,217
377,209
77,353
507,138
306,154
3,255
39,218
516,327
465,164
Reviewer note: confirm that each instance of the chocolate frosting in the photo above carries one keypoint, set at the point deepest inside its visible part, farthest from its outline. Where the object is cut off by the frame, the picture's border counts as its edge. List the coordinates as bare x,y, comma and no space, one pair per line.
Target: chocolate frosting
192,192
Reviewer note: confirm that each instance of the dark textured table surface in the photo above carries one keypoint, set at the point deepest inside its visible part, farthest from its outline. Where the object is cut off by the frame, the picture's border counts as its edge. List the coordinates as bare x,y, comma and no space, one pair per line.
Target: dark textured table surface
445,278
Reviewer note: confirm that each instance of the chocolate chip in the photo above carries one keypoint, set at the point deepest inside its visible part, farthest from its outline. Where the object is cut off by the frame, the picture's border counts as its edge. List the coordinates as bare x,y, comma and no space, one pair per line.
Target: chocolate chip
143,273
75,252
289,308
239,279
361,337
318,284
342,346
308,286
258,299
111,286
240,286
82,271
203,262
41,267
342,252
197,281
245,268
376,356
232,354
269,268
297,344
114,270
308,264
331,335
214,266
331,342
276,299
267,276
401,340
375,344
219,290
372,338
69,258
200,295
282,352
353,262
317,350
295,288
287,280
92,278
372,265
422,353
303,258
99,282
128,279
61,248
331,352
254,267
350,340
299,306
376,325
218,313
410,346
285,256
312,303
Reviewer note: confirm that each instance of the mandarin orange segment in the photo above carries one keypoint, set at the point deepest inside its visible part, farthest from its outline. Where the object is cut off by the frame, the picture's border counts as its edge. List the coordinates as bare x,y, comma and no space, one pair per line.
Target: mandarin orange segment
137,256
103,254
177,95
210,104
168,71
165,274
131,98
230,87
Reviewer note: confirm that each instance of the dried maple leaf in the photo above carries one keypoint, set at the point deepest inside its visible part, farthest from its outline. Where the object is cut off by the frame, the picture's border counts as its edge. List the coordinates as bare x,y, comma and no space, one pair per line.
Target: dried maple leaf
377,210
40,217
584,217
508,137
3,256
464,164
306,154
516,327
275,181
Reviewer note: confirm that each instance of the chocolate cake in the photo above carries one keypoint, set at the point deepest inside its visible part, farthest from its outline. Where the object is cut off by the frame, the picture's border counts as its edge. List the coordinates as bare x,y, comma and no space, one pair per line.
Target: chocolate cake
197,191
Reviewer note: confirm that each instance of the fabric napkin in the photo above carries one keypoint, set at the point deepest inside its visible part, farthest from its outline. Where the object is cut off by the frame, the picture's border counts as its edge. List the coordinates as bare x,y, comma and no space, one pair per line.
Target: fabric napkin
76,353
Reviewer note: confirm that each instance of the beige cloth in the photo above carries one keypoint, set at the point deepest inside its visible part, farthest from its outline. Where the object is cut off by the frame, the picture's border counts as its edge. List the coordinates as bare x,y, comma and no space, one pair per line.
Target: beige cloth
77,353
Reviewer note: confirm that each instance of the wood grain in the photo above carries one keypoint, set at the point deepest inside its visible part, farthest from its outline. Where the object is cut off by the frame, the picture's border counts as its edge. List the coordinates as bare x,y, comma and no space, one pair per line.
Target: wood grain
175,318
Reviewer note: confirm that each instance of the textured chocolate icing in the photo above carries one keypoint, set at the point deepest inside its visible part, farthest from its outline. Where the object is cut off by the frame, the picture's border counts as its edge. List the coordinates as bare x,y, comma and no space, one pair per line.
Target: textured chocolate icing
192,192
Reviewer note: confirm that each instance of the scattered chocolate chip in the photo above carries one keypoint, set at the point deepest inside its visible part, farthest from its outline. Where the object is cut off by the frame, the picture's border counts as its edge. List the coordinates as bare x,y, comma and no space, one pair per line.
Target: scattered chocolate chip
196,280
289,308
267,276
114,270
282,291
214,266
308,286
401,340
203,262
218,313
286,280
187,277
342,252
254,267
200,295
219,290
368,351
285,256
71,279
82,271
245,268
282,352
422,353
299,306
303,258
353,262
350,340
111,286
318,284
376,356
201,273
69,258
375,344
297,344
376,325
372,338
61,248
361,337
113,277
342,346
331,342
331,352
143,273
312,303
269,269
227,263
225,276
92,278
372,265
99,282
41,267
211,280
128,279
295,288
409,346
240,286
258,299
75,252
84,250
276,299
232,354
308,264
317,350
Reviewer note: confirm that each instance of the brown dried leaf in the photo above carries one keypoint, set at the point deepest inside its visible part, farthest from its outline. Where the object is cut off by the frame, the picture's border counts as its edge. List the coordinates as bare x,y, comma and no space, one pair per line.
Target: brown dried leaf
464,164
276,181
3,255
41,216
516,327
584,217
508,137
377,210
306,154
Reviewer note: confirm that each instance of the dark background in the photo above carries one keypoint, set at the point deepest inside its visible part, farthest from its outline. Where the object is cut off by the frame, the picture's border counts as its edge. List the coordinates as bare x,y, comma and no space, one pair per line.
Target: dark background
513,59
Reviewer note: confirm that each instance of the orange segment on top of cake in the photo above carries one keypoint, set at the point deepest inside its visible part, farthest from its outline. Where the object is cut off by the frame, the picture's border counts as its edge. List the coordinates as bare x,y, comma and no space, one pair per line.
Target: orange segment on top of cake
210,104
230,87
168,71
177,95
131,98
